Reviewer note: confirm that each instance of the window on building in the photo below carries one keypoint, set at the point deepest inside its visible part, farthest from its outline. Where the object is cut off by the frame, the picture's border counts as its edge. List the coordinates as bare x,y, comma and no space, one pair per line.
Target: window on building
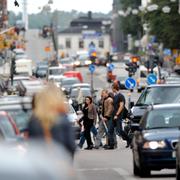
101,43
81,43
68,43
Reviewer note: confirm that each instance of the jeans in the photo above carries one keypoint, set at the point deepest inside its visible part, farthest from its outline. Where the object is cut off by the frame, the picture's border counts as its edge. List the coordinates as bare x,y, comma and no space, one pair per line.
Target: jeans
82,137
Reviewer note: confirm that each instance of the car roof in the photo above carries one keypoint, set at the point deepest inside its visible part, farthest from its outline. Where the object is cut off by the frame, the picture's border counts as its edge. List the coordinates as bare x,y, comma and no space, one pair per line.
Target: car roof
57,67
80,85
163,85
72,72
164,106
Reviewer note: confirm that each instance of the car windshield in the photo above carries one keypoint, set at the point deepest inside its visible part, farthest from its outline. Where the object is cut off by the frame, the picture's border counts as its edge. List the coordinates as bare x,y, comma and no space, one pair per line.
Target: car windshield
159,95
163,118
85,92
56,71
69,81
7,127
66,61
42,68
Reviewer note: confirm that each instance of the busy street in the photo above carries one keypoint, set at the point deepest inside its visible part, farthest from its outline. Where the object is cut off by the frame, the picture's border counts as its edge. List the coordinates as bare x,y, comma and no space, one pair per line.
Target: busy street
89,91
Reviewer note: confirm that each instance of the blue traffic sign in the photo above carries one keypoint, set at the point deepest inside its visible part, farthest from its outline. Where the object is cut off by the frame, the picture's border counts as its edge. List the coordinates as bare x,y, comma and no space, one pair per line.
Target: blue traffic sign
130,83
167,52
151,79
110,67
91,68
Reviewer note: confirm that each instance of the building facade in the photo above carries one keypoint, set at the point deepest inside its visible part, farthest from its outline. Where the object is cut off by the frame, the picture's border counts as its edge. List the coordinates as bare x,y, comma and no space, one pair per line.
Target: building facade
83,32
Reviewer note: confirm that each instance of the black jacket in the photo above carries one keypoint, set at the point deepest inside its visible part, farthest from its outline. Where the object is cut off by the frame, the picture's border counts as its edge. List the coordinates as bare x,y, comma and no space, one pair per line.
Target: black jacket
61,132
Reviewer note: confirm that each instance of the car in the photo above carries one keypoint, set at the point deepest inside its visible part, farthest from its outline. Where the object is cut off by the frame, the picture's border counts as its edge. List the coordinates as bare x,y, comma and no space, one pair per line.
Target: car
41,71
76,74
141,77
28,88
72,116
155,139
102,60
74,94
122,80
12,87
81,85
38,161
54,71
19,108
82,59
67,82
155,94
178,160
68,63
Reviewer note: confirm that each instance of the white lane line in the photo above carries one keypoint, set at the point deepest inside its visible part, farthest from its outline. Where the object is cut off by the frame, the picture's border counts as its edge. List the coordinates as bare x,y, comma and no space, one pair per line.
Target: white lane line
123,173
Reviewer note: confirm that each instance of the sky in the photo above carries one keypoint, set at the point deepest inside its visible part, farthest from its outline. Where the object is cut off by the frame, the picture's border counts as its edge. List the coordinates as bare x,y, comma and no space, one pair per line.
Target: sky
34,6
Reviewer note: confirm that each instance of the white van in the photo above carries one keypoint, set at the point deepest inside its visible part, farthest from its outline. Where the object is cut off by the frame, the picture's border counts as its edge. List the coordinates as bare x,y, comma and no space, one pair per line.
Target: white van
24,67
55,71
141,77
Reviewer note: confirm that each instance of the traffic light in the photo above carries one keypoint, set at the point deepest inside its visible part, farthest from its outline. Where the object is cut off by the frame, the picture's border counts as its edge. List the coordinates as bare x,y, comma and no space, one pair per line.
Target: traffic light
132,68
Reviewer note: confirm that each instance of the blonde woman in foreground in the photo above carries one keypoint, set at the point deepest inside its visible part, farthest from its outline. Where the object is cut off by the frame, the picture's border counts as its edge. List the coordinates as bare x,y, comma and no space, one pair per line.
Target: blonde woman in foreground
49,120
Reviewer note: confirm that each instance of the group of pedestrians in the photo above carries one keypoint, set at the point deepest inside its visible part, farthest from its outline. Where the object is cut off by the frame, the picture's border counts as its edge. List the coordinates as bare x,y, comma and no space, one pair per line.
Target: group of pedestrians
110,111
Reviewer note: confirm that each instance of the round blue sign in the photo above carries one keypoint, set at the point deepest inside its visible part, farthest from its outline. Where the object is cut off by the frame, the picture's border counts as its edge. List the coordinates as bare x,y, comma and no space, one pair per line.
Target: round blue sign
151,79
130,83
110,67
91,68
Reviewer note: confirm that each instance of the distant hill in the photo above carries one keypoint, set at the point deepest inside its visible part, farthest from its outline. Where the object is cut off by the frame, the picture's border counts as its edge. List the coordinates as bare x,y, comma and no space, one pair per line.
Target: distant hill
37,21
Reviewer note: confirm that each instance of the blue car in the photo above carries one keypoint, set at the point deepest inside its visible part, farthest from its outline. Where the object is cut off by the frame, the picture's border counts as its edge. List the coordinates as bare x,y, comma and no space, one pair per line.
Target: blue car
155,139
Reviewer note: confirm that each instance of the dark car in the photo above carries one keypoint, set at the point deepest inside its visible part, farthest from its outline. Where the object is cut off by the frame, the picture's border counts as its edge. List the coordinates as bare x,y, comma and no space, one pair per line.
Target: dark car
66,83
41,71
178,160
155,140
155,94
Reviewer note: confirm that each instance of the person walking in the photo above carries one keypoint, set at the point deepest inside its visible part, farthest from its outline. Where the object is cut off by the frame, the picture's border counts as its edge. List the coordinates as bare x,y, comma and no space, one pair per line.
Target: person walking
89,118
49,120
105,118
119,106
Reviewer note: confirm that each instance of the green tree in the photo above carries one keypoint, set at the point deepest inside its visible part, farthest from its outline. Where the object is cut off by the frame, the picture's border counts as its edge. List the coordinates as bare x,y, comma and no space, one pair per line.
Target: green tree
165,26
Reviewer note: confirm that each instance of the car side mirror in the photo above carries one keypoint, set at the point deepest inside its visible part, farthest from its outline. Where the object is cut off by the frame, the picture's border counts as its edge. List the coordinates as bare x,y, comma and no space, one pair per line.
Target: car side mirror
135,127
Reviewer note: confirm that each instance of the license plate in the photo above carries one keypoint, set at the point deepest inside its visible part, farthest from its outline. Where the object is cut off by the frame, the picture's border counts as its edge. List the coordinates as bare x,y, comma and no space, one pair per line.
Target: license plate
174,154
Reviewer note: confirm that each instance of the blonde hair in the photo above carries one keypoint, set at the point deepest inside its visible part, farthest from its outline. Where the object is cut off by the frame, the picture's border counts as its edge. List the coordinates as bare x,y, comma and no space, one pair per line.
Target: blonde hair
49,103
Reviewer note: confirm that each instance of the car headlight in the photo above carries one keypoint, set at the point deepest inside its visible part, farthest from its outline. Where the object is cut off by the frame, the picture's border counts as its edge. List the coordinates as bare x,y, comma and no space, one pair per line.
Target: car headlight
77,63
154,144
63,89
87,62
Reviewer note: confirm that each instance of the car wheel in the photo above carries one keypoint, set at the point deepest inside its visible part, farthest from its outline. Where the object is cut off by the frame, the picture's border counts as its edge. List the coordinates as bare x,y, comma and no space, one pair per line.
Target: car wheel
135,169
177,172
144,172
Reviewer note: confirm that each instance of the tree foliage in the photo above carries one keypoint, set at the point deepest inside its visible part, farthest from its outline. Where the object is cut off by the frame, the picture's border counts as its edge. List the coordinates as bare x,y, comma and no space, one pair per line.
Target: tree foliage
45,18
165,26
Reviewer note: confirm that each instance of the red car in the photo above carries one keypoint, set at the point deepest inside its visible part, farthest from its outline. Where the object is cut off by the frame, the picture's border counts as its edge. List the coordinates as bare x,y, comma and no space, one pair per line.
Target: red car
76,74
8,128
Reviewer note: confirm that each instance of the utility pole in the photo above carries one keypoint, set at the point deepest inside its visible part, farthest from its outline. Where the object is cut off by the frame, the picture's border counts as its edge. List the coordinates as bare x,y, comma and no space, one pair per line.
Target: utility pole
179,7
25,15
3,14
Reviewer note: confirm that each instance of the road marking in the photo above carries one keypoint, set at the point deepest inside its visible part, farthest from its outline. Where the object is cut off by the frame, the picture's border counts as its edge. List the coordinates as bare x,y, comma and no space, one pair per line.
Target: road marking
122,172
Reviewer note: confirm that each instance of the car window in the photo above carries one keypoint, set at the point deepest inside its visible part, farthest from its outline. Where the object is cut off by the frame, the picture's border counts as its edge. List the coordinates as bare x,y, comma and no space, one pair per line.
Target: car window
69,81
20,117
163,118
56,71
85,92
7,127
159,95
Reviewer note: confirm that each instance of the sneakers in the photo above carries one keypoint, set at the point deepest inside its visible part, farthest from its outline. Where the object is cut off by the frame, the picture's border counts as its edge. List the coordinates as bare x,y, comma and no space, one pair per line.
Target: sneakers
89,148
109,147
